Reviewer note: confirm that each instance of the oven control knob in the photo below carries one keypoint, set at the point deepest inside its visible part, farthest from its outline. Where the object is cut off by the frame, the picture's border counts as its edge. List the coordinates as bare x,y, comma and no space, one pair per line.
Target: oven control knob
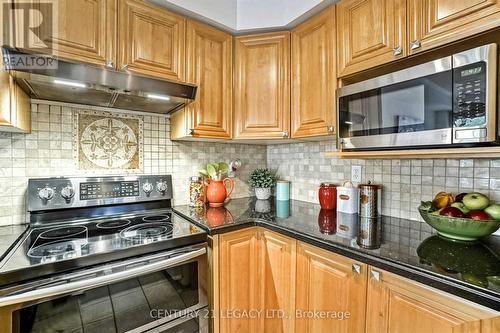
147,188
46,193
67,192
161,186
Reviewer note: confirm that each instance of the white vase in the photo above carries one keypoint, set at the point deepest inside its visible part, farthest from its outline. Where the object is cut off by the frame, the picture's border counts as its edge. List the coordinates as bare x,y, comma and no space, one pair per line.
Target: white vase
262,206
263,193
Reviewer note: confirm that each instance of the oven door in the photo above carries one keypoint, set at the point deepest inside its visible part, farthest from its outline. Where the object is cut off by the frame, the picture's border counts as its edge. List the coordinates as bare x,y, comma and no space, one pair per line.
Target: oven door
164,292
412,107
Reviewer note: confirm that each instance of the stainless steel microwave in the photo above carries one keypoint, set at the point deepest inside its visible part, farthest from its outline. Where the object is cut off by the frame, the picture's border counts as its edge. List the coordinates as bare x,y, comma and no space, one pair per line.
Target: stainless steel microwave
445,102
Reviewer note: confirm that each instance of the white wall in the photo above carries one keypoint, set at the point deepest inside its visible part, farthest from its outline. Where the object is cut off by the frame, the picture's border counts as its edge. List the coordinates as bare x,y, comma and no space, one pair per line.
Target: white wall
252,14
243,14
221,11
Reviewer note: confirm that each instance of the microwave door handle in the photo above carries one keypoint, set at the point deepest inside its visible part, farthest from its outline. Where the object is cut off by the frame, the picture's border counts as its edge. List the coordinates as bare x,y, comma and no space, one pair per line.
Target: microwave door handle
94,282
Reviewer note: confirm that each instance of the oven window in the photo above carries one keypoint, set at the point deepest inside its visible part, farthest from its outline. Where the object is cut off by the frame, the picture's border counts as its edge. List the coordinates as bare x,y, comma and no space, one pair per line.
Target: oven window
118,307
417,105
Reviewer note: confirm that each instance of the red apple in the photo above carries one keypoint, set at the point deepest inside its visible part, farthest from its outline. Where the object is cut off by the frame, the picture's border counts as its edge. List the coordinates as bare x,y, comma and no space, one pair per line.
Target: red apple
478,215
452,212
460,197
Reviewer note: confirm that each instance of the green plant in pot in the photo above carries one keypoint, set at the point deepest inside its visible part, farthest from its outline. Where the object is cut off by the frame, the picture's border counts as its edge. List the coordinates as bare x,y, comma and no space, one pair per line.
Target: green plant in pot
262,181
216,173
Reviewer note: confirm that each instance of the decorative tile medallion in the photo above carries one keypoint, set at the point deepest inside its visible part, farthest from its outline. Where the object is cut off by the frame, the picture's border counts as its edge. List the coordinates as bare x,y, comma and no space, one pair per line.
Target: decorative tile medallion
108,141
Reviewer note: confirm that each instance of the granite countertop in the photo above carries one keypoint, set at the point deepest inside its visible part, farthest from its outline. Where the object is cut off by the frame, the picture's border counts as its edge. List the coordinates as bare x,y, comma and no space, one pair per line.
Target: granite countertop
405,247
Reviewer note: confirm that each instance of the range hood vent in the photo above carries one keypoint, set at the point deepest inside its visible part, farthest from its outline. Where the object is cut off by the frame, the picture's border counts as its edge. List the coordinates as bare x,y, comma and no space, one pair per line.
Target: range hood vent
86,84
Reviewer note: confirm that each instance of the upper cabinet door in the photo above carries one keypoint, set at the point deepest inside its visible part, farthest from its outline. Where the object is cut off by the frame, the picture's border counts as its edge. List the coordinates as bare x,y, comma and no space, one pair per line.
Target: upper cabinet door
209,66
262,86
437,22
314,76
370,33
151,40
85,30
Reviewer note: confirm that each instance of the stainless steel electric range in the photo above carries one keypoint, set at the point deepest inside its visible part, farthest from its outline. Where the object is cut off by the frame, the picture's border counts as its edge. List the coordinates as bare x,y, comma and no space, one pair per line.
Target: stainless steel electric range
104,254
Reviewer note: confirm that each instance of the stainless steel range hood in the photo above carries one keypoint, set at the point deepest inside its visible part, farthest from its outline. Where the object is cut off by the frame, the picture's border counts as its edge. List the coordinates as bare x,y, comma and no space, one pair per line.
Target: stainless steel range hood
86,84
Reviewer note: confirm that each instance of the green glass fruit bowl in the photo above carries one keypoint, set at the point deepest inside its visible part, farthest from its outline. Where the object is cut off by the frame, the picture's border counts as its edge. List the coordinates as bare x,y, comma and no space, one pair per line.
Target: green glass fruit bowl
457,228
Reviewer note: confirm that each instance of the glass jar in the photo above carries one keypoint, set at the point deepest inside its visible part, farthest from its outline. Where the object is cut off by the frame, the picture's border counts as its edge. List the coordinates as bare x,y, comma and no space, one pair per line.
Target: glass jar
327,195
197,191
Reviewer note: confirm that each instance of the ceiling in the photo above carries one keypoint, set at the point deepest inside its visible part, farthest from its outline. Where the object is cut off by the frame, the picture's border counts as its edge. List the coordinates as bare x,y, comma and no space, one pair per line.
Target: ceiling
243,16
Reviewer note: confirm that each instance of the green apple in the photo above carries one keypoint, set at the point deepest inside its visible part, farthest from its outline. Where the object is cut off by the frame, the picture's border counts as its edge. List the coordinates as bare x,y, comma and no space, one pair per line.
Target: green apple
494,211
476,201
461,206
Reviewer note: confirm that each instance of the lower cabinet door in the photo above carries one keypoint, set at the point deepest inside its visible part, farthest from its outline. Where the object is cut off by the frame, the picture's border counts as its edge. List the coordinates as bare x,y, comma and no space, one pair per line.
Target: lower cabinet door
396,305
239,279
278,290
330,292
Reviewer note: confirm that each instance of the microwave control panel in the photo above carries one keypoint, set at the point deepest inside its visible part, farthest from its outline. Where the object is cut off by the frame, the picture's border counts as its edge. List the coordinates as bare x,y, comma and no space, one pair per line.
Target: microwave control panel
469,92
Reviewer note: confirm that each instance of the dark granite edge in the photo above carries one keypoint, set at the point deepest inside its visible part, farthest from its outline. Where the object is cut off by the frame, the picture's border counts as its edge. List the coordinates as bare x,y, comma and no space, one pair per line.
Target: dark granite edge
456,287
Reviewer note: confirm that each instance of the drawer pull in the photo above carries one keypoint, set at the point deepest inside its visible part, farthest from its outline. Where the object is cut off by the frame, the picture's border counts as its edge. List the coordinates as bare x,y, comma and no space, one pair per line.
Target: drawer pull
415,45
375,275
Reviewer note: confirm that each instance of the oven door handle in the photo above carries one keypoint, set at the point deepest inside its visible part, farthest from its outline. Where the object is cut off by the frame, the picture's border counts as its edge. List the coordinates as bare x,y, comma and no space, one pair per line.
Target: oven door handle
97,281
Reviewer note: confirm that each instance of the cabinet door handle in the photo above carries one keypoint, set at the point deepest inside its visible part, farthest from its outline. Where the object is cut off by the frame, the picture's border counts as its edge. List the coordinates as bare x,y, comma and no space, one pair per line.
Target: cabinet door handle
124,67
330,129
375,275
415,45
285,134
191,131
109,63
356,268
397,50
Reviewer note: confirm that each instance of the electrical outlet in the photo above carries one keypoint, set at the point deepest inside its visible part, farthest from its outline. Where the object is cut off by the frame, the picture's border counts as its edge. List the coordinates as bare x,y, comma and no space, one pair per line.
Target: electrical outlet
356,173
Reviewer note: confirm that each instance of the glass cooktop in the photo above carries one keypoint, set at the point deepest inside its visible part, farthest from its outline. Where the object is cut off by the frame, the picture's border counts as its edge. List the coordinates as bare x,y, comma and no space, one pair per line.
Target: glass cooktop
57,247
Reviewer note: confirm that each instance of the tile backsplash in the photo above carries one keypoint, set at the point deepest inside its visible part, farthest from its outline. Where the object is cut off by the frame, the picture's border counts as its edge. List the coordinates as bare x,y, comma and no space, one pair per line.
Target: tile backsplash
49,150
406,182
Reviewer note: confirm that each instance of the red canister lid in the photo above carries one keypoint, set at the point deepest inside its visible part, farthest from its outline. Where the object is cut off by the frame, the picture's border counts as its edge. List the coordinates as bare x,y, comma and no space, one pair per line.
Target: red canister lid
328,185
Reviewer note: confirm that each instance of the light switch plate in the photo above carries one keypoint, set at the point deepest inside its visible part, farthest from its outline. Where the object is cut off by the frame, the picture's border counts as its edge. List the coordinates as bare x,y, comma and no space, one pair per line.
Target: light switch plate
356,173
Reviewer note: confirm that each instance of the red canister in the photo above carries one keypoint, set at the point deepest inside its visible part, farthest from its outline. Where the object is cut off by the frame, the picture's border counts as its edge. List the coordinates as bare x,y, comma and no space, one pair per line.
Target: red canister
328,196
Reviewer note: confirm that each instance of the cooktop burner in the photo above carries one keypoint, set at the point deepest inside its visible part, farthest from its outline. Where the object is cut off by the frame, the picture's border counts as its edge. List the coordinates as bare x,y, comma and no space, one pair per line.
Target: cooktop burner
65,232
156,218
147,231
113,224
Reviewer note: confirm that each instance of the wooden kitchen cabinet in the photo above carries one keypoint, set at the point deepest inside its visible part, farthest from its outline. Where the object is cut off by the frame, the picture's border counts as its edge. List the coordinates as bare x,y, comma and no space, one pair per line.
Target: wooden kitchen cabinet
240,253
438,22
278,290
314,76
85,30
396,304
329,282
15,107
256,272
151,40
262,86
210,66
370,33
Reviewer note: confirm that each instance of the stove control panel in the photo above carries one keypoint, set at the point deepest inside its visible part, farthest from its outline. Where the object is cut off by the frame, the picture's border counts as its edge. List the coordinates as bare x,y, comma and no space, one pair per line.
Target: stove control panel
69,192
92,190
